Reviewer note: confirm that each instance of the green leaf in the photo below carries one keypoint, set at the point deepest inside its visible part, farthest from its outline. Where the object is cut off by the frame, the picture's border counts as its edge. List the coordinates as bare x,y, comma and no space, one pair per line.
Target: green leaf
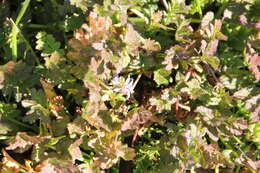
125,60
256,133
47,44
73,22
54,140
227,153
212,60
59,125
197,6
162,76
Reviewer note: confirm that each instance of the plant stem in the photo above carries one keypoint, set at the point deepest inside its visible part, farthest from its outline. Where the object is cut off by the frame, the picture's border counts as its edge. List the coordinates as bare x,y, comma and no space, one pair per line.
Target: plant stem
195,20
217,169
137,79
238,169
36,26
221,10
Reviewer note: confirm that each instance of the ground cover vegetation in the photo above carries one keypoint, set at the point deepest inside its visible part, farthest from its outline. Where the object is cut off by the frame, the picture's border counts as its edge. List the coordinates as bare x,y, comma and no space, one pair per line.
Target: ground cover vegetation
130,86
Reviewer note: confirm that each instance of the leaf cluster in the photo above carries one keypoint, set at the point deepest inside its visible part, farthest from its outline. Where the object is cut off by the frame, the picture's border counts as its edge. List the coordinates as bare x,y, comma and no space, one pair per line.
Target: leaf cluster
166,86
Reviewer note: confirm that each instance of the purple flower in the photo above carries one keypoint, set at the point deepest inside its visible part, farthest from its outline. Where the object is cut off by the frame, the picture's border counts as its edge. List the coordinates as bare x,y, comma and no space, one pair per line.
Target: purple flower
123,86
127,88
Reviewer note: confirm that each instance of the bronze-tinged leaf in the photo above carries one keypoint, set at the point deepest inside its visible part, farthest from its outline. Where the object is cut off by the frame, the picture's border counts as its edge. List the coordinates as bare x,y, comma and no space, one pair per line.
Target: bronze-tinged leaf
75,151
241,124
170,59
208,17
208,113
9,165
2,79
91,113
132,40
255,165
213,136
253,59
78,126
136,118
53,165
53,61
9,67
237,128
110,150
219,35
242,93
56,105
22,142
96,31
151,45
89,168
99,24
243,19
212,47
211,156
177,53
48,89
157,16
75,44
5,69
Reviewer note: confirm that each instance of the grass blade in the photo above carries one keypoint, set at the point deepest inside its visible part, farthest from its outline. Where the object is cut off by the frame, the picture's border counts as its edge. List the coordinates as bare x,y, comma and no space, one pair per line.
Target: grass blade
25,5
15,31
